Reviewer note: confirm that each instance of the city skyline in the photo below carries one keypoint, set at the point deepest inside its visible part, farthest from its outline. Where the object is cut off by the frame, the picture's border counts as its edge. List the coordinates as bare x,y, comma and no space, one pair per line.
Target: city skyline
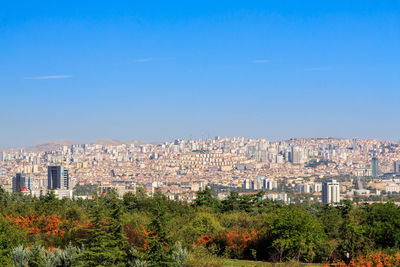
235,162
115,142
161,71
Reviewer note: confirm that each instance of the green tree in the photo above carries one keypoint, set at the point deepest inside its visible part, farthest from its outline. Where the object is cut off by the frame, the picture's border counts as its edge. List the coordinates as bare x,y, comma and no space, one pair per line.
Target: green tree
231,202
249,203
353,231
383,224
105,244
159,253
130,201
205,198
10,237
37,256
295,233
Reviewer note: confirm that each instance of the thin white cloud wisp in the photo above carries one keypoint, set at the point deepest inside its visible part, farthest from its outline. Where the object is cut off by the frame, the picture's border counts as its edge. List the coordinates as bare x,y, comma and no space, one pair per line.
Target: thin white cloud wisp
48,77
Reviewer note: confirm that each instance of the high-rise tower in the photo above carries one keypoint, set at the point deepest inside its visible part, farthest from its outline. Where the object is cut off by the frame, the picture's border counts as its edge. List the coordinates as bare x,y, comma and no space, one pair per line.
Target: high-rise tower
57,177
375,167
396,166
20,182
330,192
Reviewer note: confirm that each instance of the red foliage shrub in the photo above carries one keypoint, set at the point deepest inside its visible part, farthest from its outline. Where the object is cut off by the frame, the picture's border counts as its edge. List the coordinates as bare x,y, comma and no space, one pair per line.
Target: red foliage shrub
137,238
49,225
377,259
236,242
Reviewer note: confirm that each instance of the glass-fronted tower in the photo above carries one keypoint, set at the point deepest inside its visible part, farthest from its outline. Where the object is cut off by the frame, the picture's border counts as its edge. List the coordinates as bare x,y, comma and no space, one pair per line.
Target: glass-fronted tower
375,167
57,177
21,182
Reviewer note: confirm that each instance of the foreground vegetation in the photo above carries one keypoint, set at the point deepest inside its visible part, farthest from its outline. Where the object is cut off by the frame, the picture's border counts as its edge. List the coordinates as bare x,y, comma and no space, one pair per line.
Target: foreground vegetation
238,231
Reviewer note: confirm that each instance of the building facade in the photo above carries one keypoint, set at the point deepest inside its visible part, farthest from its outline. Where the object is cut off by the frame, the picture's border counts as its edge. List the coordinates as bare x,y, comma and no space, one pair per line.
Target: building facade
57,177
330,192
20,182
396,166
375,167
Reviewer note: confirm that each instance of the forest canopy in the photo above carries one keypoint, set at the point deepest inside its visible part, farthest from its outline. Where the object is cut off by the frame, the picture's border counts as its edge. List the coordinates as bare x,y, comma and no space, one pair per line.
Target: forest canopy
138,230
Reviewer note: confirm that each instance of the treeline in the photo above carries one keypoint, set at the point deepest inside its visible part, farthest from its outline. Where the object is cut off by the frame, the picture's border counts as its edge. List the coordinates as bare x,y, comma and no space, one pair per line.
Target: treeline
138,230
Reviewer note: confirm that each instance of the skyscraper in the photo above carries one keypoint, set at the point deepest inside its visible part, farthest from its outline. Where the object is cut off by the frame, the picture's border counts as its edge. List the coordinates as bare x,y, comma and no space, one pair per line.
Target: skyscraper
330,192
375,167
247,184
296,155
269,184
19,182
396,166
57,177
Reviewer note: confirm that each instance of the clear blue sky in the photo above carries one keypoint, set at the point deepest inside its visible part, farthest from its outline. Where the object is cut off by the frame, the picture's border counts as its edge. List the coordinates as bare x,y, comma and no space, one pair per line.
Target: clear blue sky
158,70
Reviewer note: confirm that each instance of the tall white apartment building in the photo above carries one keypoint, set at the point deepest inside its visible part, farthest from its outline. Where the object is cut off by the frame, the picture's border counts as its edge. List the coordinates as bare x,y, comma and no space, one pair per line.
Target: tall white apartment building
330,192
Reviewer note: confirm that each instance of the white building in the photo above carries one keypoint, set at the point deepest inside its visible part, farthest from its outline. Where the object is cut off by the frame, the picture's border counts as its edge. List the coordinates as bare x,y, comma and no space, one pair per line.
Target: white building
330,192
246,184
278,197
269,184
393,188
303,188
316,187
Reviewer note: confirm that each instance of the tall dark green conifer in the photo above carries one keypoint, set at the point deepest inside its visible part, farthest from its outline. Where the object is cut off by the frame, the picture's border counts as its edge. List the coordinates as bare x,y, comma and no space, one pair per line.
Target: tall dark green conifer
159,251
106,245
205,198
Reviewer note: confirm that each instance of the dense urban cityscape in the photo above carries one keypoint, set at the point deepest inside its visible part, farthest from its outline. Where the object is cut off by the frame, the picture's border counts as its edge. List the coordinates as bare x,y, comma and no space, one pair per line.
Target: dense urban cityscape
291,171
200,133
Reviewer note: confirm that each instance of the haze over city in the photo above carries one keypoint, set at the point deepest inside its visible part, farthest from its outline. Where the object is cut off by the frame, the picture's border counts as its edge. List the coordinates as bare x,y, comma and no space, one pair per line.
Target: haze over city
158,71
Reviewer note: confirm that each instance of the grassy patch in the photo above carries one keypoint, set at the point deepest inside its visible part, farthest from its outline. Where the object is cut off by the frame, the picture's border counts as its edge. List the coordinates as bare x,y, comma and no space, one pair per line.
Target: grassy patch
240,263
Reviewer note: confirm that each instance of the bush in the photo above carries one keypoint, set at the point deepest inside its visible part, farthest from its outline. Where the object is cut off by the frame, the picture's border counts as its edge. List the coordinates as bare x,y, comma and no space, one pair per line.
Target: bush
19,256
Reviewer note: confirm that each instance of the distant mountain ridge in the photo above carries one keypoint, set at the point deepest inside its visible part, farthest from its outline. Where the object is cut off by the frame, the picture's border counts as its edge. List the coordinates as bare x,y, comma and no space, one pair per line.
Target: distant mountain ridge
51,146
115,142
107,142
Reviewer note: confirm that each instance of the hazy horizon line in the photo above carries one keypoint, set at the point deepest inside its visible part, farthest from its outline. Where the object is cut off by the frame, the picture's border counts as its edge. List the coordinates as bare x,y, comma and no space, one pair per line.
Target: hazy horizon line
71,142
